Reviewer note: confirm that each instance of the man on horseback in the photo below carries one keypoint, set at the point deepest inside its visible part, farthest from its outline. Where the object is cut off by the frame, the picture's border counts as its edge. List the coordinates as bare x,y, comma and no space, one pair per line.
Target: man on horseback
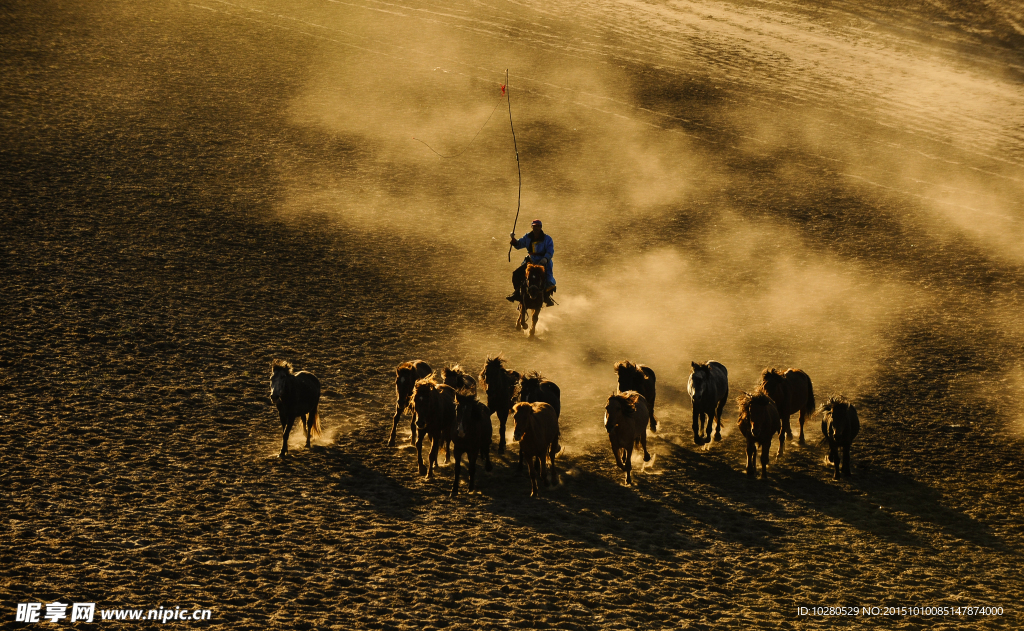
541,249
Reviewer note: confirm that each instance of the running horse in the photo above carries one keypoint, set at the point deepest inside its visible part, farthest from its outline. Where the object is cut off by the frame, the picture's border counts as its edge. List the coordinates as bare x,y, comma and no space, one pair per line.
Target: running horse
792,392
638,378
296,395
406,376
708,387
531,296
839,426
759,421
499,385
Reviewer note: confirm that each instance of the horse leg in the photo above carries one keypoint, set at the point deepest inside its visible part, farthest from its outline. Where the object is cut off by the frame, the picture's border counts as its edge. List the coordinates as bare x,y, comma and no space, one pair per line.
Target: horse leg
394,426
803,417
643,443
307,424
472,456
766,447
455,484
786,427
533,475
412,428
502,419
846,459
629,465
435,446
782,446
718,420
536,314
553,453
751,456
696,427
617,452
419,453
521,322
521,458
286,429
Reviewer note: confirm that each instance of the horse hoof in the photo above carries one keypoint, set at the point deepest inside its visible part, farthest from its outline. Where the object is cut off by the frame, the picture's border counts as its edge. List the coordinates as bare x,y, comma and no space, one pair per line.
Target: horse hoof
647,457
718,437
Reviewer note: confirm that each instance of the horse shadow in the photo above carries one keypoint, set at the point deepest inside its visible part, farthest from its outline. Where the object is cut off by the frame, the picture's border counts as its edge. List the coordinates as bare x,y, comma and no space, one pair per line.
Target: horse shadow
651,517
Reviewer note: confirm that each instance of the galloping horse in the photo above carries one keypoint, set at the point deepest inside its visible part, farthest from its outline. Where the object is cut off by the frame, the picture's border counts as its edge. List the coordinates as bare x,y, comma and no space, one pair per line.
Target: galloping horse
533,388
499,385
792,392
472,436
536,429
406,376
759,421
638,378
531,296
840,426
625,419
708,387
434,405
296,394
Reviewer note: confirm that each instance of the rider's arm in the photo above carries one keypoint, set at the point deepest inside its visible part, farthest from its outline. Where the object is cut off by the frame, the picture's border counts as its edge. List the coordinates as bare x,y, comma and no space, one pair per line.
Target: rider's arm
518,244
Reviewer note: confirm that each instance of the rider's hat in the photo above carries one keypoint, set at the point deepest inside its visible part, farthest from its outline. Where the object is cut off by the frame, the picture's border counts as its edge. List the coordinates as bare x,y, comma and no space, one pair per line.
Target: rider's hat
536,222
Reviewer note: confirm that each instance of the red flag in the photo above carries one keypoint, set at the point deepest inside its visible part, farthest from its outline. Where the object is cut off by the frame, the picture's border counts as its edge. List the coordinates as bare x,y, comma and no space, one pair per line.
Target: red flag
503,90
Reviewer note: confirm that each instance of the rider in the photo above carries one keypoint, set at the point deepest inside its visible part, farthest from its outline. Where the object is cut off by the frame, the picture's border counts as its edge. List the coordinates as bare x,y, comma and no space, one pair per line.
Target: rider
542,248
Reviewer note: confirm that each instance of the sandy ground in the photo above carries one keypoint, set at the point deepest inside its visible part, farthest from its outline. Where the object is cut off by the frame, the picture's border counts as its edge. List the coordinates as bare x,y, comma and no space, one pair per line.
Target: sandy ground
191,190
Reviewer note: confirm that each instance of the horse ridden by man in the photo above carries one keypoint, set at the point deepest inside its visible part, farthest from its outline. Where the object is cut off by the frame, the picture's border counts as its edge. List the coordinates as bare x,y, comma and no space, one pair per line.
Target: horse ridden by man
406,376
296,394
533,282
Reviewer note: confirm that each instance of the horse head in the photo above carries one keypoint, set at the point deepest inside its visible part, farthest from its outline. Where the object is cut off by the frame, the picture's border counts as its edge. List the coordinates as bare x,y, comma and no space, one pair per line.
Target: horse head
522,414
535,282
280,370
699,379
617,408
423,400
465,407
630,376
838,420
494,371
755,413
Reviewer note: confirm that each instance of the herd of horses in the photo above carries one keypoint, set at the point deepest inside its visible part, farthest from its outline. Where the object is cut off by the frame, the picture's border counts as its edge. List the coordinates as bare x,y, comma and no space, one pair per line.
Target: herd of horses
446,409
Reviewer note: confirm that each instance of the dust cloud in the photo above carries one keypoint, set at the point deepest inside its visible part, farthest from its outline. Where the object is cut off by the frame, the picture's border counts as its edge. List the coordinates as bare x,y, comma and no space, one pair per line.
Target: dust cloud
671,245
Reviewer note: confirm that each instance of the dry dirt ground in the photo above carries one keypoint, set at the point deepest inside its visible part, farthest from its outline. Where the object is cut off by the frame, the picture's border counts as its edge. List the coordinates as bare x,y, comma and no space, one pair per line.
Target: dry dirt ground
157,255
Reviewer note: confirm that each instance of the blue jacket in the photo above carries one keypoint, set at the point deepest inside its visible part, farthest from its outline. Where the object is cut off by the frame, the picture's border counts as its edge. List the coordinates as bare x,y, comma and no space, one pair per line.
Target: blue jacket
543,249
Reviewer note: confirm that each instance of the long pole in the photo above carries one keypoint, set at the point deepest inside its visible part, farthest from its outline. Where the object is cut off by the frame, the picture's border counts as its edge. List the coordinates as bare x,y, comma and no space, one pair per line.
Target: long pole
519,199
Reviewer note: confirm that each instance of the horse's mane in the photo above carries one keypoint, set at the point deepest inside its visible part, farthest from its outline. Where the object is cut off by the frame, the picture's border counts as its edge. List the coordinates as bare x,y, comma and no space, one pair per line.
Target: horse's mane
771,374
628,406
280,363
833,402
695,366
532,268
627,365
492,363
426,381
532,375
749,399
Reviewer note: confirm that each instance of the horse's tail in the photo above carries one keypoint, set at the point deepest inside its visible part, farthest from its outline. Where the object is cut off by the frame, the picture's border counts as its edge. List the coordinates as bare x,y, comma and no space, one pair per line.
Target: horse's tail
315,427
809,404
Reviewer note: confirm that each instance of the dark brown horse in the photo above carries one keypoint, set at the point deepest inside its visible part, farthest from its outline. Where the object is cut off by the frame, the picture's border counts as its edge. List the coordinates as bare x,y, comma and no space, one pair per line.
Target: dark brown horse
434,404
531,296
454,376
536,430
708,387
406,376
638,378
500,385
792,392
296,394
839,425
625,420
759,422
472,436
534,388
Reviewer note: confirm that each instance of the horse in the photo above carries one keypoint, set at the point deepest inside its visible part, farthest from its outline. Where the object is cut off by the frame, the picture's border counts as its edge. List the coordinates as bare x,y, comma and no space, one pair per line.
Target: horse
536,430
839,425
296,394
625,420
499,384
638,378
434,405
759,421
531,296
792,392
406,376
472,436
534,388
454,376
708,387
